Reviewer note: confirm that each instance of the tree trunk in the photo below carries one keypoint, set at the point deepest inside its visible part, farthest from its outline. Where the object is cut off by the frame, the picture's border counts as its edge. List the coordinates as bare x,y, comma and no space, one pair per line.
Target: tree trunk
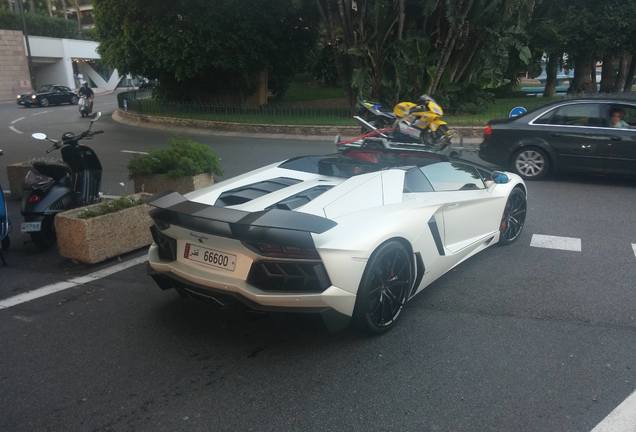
623,68
449,44
49,7
551,70
31,6
629,77
608,73
582,81
64,9
78,11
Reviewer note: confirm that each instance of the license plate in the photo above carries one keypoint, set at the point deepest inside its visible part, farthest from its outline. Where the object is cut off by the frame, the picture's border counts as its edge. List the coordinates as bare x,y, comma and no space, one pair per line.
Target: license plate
31,227
211,257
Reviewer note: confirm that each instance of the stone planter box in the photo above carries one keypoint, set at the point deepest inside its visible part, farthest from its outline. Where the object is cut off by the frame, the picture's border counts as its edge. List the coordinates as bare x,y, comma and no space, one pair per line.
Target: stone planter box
161,183
99,238
16,173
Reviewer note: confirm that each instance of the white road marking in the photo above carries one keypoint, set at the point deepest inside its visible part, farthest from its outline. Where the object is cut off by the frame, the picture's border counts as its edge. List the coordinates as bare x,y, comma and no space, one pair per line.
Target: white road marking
634,247
17,120
16,130
622,419
61,286
556,242
39,113
134,152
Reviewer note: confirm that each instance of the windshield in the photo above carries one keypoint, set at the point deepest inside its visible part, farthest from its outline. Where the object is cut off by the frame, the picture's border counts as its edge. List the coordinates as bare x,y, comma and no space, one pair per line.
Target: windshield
45,88
356,162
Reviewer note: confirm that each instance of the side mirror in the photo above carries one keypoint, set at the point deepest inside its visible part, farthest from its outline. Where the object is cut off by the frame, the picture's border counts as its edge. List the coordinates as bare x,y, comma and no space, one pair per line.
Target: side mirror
500,177
39,136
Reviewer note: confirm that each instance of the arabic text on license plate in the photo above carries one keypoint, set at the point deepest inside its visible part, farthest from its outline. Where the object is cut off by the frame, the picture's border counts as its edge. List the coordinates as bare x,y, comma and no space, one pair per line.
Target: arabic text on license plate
31,227
210,257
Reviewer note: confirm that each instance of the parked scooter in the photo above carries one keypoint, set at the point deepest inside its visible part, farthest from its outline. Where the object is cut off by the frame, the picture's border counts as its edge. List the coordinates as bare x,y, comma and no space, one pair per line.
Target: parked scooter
58,186
4,225
84,106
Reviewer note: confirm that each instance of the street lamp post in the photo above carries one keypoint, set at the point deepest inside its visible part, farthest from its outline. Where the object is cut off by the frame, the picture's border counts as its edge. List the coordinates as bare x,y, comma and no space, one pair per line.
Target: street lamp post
25,32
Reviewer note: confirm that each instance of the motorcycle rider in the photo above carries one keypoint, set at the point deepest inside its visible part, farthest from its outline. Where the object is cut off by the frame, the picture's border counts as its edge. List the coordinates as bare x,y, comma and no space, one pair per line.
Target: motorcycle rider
86,91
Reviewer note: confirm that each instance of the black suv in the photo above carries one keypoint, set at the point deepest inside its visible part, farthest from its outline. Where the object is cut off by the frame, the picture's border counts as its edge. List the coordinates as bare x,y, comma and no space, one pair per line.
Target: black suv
568,135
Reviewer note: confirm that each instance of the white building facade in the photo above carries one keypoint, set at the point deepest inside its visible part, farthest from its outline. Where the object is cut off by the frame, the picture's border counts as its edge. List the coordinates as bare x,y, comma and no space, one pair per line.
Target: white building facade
68,62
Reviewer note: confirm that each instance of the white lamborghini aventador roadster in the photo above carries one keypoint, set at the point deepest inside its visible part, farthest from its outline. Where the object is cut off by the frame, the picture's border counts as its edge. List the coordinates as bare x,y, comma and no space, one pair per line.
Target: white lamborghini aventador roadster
359,232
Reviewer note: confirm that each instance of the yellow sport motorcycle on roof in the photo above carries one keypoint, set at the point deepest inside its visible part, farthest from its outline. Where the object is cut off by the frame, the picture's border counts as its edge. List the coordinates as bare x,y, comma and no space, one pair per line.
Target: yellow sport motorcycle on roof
422,122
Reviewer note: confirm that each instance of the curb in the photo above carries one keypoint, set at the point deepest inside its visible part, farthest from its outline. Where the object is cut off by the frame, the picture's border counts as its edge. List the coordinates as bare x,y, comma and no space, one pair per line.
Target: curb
145,120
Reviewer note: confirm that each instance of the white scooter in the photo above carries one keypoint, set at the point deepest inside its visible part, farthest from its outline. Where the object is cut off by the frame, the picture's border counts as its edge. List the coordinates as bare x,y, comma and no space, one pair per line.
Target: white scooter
84,106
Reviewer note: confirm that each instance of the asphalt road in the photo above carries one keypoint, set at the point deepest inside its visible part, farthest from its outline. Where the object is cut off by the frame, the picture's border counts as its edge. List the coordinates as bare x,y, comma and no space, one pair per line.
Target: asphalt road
518,338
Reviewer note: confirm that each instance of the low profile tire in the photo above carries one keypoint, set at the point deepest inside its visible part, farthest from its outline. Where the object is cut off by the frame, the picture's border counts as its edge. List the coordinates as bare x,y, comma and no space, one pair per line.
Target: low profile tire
45,239
44,102
531,163
74,100
514,217
384,289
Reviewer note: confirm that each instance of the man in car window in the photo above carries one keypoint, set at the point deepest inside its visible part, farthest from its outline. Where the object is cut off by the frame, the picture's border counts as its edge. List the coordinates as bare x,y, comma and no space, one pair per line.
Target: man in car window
616,118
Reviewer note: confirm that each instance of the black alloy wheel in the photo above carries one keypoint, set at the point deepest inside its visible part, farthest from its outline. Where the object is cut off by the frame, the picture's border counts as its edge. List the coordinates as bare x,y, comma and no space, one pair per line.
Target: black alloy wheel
74,100
44,102
385,287
514,217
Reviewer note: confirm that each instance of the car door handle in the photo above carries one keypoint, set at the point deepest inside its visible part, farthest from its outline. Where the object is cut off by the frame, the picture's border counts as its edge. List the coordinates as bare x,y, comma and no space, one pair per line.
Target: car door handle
453,205
616,138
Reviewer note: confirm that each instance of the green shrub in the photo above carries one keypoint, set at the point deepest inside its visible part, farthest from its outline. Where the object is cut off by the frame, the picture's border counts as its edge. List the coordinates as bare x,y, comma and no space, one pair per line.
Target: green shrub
110,207
42,25
183,158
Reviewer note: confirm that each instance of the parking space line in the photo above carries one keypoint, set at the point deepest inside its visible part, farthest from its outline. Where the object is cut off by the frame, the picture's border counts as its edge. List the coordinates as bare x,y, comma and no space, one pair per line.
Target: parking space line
556,242
134,152
39,113
17,120
622,419
61,286
16,130
634,247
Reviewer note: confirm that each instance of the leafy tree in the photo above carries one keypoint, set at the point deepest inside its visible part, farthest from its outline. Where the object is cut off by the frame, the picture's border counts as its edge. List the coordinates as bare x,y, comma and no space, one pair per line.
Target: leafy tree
203,48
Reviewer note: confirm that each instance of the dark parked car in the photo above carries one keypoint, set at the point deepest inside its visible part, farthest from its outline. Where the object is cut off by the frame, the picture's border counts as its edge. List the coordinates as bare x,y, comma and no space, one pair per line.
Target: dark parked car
575,135
48,95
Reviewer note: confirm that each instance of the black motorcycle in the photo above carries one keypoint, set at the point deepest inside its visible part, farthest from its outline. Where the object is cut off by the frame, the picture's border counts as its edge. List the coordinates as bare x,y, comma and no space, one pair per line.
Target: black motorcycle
57,186
375,115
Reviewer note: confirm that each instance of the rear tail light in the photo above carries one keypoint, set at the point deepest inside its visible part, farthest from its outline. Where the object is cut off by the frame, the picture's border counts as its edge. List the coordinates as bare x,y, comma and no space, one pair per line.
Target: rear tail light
487,130
167,245
282,251
34,199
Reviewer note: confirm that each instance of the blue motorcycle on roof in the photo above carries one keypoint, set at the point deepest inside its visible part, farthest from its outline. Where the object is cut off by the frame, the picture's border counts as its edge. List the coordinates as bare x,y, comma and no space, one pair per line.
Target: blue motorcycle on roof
4,225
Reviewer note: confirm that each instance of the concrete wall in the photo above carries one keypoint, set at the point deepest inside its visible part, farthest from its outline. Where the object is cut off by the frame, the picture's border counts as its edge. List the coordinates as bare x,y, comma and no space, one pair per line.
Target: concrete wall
14,70
51,73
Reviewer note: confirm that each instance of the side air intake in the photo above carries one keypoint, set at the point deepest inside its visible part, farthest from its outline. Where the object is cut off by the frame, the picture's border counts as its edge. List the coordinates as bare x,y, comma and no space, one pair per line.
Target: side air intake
252,191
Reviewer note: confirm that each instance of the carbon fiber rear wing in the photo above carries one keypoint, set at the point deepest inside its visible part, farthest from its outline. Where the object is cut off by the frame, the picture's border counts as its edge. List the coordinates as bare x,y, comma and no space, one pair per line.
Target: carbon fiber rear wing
273,226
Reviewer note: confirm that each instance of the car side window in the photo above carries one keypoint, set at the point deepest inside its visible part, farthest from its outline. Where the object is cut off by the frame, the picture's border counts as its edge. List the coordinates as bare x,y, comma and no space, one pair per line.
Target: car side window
587,114
545,118
628,113
453,176
416,181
